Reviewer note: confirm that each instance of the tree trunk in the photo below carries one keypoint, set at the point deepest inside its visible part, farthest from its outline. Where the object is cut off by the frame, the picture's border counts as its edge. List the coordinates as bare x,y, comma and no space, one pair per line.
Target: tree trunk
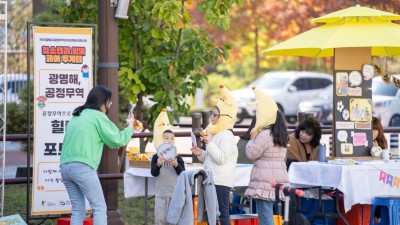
38,7
108,76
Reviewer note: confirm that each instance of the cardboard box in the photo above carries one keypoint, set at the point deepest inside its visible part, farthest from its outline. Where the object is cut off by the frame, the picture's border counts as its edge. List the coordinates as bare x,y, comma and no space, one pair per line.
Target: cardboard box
140,163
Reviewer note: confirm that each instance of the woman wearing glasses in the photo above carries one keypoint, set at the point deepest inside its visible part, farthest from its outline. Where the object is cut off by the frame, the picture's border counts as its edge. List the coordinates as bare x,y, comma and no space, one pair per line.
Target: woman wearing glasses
221,151
87,131
303,143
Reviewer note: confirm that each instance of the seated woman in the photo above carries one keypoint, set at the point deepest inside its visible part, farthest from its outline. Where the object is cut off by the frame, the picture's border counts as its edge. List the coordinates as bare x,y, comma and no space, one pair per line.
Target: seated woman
378,134
379,142
303,143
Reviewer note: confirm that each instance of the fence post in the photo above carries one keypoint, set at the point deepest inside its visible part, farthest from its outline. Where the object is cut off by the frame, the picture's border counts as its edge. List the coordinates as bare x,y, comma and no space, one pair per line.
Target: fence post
301,116
196,126
205,114
308,115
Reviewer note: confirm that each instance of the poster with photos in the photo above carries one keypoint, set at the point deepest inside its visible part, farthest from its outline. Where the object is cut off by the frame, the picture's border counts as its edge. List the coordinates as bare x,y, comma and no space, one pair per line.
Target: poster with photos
352,106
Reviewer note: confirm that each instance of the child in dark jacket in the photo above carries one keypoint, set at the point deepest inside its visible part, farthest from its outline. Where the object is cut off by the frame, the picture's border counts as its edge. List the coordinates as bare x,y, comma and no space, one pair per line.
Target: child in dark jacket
166,172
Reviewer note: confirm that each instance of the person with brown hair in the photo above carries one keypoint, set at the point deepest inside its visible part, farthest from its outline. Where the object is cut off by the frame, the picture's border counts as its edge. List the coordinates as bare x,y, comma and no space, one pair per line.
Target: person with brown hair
378,134
303,143
267,149
379,141
87,132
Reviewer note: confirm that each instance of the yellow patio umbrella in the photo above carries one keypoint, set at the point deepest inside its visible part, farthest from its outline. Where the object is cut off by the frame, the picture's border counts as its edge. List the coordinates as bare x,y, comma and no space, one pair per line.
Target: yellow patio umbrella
357,12
352,27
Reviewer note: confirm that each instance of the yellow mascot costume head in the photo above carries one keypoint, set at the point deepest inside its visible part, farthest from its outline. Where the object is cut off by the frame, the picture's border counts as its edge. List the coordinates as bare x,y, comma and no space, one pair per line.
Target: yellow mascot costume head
266,110
160,125
228,107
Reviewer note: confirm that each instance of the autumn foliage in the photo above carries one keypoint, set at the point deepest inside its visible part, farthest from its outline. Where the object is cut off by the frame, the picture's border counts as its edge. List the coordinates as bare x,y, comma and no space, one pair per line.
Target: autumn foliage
260,24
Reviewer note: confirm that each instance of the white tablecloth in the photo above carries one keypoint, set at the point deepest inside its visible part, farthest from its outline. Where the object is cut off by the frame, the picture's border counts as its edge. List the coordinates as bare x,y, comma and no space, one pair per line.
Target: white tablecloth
359,183
135,178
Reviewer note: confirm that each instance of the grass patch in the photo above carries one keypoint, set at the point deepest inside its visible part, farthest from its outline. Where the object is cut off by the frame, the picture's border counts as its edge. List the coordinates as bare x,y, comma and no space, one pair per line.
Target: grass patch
132,210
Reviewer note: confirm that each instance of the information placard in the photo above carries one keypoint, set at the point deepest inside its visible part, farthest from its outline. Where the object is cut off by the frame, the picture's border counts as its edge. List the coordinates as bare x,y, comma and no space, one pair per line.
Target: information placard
63,77
352,106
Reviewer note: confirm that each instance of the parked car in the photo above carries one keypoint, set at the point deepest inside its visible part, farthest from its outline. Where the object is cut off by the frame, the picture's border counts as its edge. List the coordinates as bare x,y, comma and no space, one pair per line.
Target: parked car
386,102
320,105
288,88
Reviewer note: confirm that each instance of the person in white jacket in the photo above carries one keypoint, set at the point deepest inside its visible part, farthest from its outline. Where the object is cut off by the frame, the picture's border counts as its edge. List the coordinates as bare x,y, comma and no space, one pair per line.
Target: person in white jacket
221,150
220,157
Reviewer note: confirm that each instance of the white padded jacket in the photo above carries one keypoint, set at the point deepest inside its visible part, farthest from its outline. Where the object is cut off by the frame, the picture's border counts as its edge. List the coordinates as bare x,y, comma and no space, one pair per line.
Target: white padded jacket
220,157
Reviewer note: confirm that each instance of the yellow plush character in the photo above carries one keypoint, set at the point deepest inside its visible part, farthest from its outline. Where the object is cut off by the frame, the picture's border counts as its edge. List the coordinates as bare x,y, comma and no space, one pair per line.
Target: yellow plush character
228,107
160,125
266,110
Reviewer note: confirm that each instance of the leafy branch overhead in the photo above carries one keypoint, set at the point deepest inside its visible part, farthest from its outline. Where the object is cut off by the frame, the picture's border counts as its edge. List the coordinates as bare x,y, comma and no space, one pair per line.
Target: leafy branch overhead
161,53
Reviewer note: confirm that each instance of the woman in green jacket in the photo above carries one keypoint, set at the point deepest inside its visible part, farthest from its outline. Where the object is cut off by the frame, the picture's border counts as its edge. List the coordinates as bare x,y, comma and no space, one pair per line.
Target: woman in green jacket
87,132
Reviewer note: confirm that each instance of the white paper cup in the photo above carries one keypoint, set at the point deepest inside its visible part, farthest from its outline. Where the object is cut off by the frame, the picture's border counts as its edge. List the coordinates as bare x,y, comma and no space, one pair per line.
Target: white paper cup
385,155
376,151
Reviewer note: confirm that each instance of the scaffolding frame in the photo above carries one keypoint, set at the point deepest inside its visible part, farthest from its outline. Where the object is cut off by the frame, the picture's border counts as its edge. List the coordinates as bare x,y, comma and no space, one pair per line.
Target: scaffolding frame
3,87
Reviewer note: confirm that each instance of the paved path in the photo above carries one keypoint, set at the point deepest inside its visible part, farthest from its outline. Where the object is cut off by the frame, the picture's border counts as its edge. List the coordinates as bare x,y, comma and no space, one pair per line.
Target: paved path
14,158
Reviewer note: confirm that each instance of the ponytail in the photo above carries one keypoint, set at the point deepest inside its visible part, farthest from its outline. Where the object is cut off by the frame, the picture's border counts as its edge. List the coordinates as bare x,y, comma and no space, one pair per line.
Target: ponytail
78,110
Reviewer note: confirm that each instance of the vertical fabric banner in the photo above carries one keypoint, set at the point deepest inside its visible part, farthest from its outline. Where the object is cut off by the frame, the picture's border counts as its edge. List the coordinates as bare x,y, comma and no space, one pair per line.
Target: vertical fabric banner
63,77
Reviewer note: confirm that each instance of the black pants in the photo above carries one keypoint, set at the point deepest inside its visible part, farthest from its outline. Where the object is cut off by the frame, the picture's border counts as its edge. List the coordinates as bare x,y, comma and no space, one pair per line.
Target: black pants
223,203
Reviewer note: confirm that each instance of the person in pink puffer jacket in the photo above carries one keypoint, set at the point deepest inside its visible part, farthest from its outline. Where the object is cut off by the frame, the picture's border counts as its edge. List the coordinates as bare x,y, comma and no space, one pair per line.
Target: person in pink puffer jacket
267,149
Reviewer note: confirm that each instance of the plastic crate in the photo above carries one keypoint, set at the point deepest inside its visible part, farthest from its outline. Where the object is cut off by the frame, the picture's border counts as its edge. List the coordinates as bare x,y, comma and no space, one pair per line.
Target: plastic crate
67,221
244,219
359,214
309,207
278,220
251,219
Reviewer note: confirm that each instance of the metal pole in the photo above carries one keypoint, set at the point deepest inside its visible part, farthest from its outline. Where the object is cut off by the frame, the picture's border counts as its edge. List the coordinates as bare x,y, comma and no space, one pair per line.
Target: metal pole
28,137
108,76
146,200
3,112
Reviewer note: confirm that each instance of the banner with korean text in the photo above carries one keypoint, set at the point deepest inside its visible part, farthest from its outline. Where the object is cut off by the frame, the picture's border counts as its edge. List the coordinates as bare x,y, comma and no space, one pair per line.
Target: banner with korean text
63,77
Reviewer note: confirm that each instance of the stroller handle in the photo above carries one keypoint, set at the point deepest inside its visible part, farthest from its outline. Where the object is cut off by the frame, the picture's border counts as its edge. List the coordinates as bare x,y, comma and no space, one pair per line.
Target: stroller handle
298,192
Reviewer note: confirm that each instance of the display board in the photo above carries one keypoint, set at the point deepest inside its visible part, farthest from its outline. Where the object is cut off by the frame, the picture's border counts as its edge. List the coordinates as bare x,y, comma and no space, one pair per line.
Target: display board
352,105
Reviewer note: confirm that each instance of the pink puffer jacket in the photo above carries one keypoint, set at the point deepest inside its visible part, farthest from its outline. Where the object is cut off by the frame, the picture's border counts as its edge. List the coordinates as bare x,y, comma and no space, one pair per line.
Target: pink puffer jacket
269,166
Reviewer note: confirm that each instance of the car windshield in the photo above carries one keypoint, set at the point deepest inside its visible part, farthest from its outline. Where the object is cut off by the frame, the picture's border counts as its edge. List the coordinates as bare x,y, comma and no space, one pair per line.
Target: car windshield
267,82
380,88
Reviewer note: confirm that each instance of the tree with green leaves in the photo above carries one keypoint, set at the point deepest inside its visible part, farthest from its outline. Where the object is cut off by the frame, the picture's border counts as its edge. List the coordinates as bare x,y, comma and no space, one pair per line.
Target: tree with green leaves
161,54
